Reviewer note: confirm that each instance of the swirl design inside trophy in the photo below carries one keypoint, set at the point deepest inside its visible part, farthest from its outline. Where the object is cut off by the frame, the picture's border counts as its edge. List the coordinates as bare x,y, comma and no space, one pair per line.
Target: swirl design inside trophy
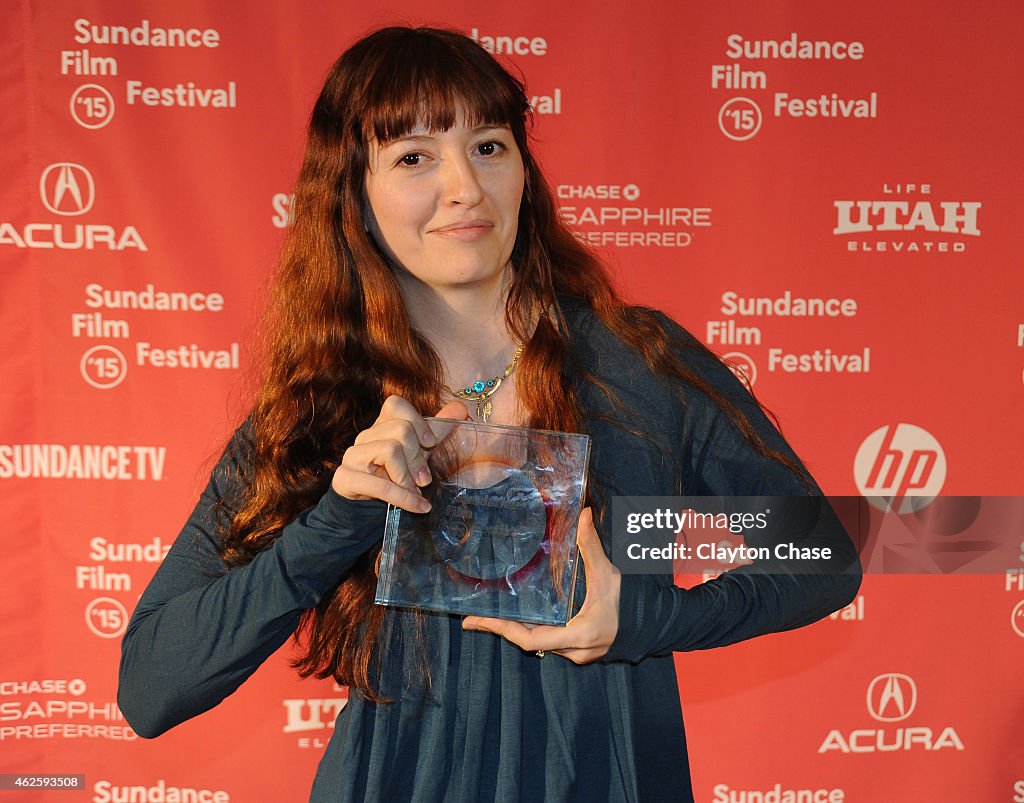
490,532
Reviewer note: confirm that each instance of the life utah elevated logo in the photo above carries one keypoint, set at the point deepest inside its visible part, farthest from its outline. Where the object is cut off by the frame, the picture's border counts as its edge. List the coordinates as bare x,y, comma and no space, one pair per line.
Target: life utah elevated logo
908,218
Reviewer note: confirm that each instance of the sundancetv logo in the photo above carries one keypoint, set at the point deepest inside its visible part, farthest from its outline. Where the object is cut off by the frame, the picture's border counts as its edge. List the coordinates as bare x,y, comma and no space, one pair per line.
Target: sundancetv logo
67,189
892,697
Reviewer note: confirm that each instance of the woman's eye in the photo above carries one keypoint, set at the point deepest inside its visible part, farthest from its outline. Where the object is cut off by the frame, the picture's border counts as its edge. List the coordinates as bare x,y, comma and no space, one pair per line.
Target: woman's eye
410,159
488,148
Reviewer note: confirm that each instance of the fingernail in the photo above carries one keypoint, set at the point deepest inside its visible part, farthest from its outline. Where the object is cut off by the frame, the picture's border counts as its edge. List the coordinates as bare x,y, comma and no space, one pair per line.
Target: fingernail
429,439
423,505
423,476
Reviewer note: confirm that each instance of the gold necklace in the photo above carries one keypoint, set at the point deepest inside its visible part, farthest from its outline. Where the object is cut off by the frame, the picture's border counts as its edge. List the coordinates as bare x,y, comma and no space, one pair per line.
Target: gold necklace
482,390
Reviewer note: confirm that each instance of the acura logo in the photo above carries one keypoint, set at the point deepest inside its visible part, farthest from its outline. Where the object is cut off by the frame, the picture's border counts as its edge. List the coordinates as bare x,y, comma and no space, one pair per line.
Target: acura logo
66,188
892,697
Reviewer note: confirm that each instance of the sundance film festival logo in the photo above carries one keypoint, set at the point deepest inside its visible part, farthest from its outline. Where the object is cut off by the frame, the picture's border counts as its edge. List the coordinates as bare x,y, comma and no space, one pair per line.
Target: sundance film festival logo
740,117
891,697
67,189
1017,618
743,367
899,461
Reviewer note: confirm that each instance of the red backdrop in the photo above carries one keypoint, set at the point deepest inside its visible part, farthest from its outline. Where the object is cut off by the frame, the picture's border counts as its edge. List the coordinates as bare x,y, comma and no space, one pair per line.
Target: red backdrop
729,159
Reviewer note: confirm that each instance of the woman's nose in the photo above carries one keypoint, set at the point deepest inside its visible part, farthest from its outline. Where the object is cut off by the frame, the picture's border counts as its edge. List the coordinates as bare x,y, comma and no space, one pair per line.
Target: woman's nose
460,182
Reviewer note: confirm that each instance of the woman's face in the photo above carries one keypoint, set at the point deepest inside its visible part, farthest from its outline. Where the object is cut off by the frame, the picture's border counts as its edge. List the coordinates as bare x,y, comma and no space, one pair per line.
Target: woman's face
445,204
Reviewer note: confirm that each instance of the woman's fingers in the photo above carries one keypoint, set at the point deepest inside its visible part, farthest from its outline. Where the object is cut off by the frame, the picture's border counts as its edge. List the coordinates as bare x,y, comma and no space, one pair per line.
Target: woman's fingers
362,485
385,458
542,637
456,410
388,461
397,445
529,637
598,619
589,543
441,425
590,633
395,408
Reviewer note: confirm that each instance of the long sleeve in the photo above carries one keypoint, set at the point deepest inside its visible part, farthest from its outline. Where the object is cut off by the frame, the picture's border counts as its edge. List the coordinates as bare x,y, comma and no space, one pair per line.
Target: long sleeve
200,630
657,617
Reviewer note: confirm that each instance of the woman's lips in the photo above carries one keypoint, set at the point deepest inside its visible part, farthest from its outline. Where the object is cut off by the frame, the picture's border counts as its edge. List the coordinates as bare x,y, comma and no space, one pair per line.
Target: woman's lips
469,231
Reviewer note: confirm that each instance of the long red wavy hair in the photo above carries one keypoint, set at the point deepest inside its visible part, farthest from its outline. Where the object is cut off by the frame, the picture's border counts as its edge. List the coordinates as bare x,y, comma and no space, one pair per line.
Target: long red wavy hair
338,339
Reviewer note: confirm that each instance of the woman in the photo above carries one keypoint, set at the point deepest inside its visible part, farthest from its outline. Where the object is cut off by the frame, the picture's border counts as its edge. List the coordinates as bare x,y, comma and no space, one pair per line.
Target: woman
426,254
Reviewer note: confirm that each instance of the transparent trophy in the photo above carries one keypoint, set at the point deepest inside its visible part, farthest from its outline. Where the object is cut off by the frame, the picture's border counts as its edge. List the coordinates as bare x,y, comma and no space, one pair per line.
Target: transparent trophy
500,537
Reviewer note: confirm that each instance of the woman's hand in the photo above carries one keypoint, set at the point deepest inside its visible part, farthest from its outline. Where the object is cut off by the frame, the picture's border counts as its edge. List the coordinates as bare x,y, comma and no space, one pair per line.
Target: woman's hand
388,461
589,633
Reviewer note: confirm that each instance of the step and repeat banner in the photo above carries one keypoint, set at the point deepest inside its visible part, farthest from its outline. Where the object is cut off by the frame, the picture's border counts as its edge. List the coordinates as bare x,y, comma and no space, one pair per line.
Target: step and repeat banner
829,196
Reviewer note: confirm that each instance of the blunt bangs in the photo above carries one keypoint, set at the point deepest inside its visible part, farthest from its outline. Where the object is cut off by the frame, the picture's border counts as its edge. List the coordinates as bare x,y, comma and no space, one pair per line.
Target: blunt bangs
437,79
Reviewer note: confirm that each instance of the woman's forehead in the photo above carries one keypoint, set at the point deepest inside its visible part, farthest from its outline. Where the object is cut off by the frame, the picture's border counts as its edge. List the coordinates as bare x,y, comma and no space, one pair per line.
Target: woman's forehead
392,117
424,123
423,131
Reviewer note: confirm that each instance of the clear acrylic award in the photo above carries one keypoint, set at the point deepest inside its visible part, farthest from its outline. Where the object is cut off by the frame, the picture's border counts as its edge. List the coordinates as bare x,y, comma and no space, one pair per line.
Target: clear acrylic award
500,537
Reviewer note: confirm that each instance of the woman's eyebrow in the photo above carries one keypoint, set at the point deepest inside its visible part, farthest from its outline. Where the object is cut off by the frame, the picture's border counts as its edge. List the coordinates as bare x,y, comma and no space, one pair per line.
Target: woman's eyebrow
408,138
